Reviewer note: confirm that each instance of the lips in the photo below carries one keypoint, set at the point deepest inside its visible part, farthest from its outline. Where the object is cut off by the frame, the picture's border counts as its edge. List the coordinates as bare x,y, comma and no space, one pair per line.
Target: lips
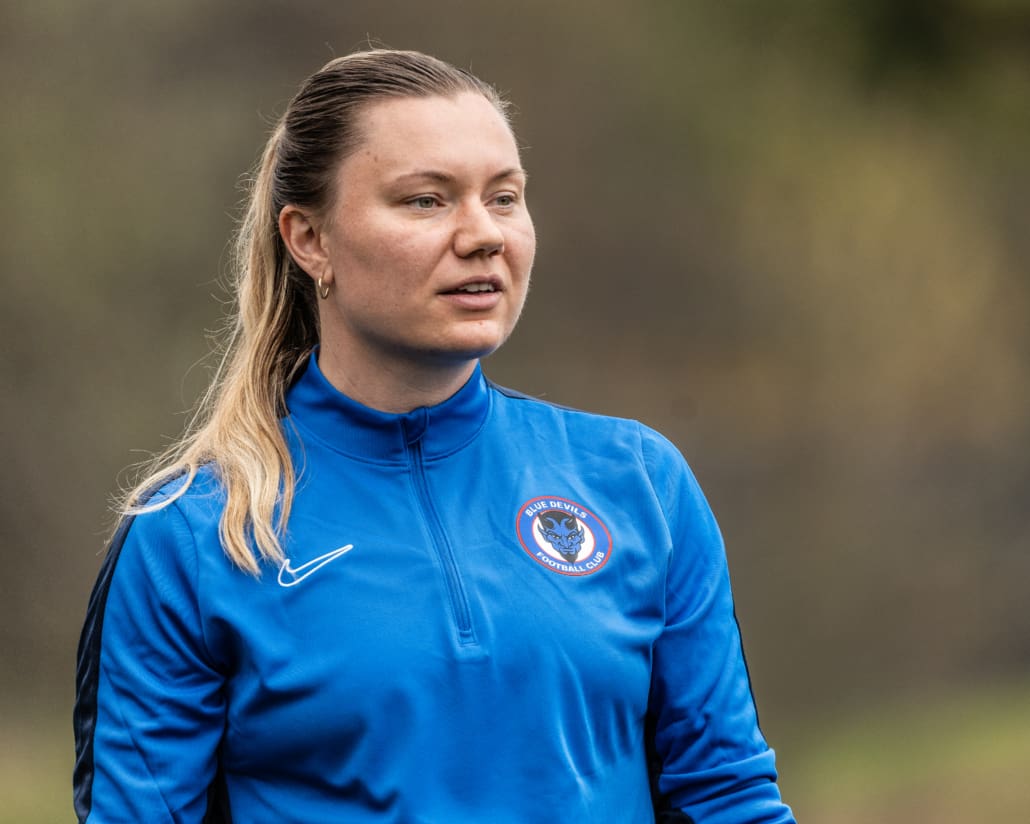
475,286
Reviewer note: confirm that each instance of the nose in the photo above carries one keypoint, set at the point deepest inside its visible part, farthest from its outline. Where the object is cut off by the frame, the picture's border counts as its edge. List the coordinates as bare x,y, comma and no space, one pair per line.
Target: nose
477,232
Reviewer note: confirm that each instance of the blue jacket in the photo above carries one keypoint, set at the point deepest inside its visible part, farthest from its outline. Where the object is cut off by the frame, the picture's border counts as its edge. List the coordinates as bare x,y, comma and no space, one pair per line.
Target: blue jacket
494,609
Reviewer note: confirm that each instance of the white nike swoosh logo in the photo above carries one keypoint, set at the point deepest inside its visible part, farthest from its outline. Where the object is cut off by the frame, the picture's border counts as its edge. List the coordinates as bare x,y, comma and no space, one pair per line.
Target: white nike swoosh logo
290,576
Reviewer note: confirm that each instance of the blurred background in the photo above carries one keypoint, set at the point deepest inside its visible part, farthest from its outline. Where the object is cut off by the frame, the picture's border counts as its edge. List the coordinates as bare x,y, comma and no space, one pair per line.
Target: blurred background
792,236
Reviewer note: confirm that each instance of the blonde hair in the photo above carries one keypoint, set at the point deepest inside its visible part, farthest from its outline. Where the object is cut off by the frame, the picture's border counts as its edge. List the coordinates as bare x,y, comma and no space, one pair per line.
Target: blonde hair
236,429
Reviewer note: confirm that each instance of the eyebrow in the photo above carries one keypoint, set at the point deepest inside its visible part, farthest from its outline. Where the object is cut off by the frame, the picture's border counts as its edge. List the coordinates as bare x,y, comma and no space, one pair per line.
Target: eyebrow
443,177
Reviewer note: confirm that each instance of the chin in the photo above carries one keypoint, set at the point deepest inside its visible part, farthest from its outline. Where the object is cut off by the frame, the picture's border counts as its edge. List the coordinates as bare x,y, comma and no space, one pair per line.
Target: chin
471,346
469,352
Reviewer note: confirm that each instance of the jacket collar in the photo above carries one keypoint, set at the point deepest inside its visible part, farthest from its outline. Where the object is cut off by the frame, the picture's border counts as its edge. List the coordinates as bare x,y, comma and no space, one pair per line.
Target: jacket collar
356,430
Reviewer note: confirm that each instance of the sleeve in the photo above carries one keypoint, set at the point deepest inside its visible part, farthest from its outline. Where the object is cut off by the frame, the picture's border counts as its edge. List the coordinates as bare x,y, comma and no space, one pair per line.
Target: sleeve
149,707
711,762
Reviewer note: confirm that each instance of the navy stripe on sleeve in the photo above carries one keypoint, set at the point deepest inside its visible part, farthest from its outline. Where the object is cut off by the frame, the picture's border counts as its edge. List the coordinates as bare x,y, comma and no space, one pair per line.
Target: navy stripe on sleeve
87,676
87,681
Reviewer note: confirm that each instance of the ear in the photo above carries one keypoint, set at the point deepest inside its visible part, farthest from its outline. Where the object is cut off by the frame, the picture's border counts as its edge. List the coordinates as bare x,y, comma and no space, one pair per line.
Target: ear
303,239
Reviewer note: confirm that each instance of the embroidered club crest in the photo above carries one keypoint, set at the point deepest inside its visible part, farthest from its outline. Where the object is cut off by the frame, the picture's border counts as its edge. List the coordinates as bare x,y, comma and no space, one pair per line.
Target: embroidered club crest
563,536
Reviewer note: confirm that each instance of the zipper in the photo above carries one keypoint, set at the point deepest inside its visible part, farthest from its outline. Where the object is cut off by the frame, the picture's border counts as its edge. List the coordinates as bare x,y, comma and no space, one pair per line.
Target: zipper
455,589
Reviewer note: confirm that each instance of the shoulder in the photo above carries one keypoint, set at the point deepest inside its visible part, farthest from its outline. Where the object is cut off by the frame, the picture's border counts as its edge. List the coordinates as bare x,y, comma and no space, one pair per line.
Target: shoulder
604,432
515,403
612,443
194,497
171,522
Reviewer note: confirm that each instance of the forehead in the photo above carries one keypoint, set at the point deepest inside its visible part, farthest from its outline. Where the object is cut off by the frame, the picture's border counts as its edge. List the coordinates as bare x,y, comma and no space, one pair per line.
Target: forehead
460,133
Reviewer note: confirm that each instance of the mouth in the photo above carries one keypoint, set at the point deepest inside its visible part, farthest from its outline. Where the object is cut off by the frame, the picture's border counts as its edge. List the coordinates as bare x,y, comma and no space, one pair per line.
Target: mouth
475,287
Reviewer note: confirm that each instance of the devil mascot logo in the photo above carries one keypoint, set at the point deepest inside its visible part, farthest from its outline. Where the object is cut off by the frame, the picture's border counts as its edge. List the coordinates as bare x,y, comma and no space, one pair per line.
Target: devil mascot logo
563,536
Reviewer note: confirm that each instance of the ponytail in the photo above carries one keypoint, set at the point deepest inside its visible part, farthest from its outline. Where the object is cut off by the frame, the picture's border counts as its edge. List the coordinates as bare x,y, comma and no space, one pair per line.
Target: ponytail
236,429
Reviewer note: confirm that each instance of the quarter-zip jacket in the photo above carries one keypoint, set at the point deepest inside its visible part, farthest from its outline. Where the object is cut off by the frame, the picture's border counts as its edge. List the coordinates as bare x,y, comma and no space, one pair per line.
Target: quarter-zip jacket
491,610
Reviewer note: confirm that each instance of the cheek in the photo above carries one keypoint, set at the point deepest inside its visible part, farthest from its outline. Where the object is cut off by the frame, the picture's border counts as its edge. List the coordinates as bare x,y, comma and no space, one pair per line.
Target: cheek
389,256
523,249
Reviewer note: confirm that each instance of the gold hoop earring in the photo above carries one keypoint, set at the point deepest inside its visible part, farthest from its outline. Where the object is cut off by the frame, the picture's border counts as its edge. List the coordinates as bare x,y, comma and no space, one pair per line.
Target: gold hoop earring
323,290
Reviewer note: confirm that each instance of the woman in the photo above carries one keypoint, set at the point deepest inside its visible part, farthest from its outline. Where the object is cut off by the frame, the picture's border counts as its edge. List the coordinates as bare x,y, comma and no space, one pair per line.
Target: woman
372,586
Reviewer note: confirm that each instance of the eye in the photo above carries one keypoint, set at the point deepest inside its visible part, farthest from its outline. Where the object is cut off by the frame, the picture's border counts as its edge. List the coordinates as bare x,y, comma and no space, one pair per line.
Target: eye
425,202
505,200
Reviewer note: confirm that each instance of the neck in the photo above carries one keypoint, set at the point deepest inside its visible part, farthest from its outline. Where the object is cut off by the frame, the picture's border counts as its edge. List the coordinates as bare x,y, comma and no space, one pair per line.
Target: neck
391,386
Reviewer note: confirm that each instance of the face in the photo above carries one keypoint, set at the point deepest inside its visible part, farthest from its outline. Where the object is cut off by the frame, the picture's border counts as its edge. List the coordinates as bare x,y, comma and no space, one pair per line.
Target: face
428,245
